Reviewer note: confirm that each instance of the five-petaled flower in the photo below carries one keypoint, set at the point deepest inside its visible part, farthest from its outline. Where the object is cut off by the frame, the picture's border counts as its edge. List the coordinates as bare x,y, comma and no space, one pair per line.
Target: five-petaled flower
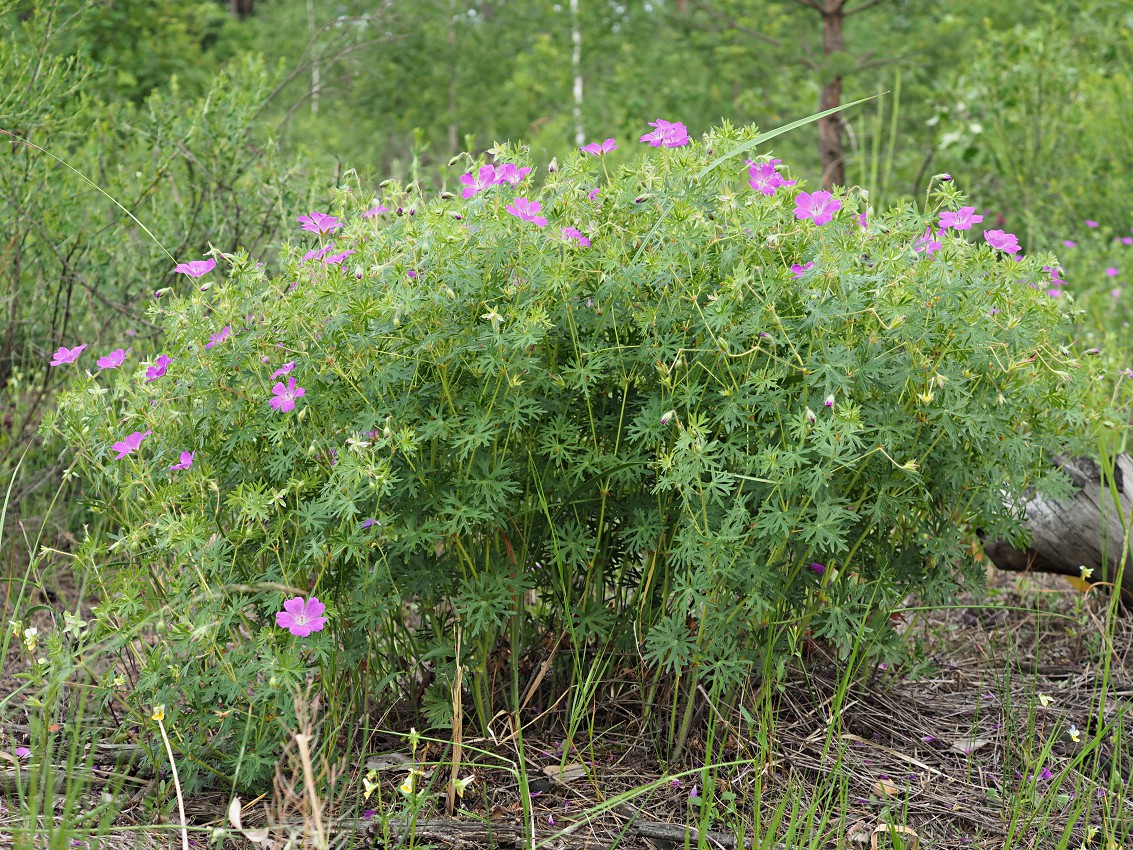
131,444
114,359
569,233
817,206
527,210
284,369
1006,242
929,243
285,396
597,149
67,355
798,271
509,173
320,223
302,616
158,368
375,211
479,181
196,268
666,134
962,219
219,337
186,461
765,178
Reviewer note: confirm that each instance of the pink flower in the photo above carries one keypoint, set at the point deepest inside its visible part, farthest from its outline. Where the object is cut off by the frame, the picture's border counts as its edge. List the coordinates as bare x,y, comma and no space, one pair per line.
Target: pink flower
219,337
319,223
285,396
1115,293
113,360
962,219
22,752
186,461
509,173
301,617
67,355
158,368
1111,272
1070,244
478,182
318,253
666,134
818,206
284,369
375,211
593,193
574,233
765,178
798,271
863,220
336,259
528,211
196,268
1127,240
928,243
1006,242
1091,224
131,444
596,149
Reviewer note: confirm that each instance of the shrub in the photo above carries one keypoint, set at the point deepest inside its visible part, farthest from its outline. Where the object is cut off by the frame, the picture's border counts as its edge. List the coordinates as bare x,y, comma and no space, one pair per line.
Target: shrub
679,410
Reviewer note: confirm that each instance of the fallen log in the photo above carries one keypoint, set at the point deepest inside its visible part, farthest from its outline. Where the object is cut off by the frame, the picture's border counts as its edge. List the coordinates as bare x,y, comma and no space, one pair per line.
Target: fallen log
1082,531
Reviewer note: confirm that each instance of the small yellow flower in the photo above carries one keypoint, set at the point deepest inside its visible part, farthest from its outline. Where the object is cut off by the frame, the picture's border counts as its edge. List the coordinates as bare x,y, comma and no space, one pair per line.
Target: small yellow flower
1075,736
158,713
461,785
1045,700
369,786
406,787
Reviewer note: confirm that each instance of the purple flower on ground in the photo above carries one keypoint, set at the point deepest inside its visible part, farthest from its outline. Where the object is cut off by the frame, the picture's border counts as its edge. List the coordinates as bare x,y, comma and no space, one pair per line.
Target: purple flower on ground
196,268
528,211
284,369
319,223
285,397
1091,224
1006,242
219,337
478,182
1045,774
1070,244
131,444
375,211
666,134
510,174
301,617
817,206
765,178
114,359
596,149
576,234
816,568
67,355
368,813
929,243
22,752
158,368
1111,272
798,271
962,219
186,461
694,793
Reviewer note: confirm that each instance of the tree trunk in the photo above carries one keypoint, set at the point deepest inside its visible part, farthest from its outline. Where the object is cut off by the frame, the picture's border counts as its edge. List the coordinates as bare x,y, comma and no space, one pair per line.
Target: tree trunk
1083,531
242,8
830,151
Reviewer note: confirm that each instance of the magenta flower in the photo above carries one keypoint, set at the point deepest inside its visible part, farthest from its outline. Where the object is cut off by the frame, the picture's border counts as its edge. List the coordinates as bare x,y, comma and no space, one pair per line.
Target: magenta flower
285,396
186,461
284,369
67,355
1115,293
765,178
863,220
929,243
528,211
817,569
318,253
798,271
1111,272
375,211
319,223
1069,244
131,444
1006,242
474,183
818,206
113,360
593,193
596,149
301,617
1090,223
219,337
157,370
336,259
22,752
666,134
196,268
962,219
1127,240
574,233
509,173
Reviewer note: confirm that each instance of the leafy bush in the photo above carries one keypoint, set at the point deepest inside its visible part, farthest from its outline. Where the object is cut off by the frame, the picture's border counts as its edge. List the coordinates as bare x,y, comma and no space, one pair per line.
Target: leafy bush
663,406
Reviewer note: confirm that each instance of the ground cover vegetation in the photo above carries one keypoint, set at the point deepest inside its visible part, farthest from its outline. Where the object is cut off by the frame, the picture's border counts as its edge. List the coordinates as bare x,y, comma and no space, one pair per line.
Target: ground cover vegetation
641,468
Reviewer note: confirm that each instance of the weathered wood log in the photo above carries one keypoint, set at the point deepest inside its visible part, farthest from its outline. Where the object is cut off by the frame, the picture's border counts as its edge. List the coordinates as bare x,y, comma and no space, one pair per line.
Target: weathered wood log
1082,531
